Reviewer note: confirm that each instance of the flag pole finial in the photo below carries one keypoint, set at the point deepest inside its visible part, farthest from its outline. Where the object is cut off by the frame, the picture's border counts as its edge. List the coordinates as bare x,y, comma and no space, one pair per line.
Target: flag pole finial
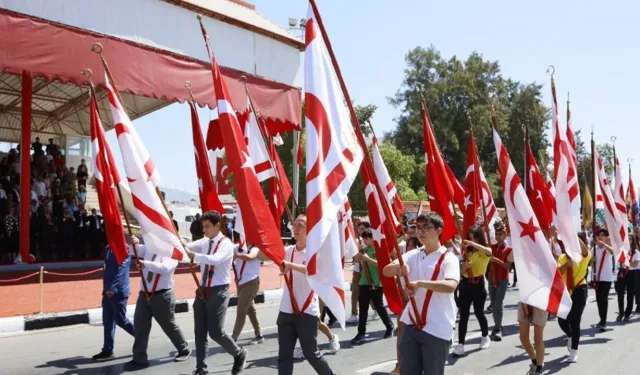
87,73
613,140
551,70
568,97
187,84
97,48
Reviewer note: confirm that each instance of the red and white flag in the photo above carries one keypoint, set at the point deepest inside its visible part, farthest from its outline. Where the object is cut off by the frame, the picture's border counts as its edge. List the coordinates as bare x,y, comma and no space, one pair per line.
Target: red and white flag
616,221
333,159
255,211
106,174
157,229
257,149
541,282
472,188
458,189
209,199
350,239
567,189
383,240
539,195
223,176
439,188
385,182
276,203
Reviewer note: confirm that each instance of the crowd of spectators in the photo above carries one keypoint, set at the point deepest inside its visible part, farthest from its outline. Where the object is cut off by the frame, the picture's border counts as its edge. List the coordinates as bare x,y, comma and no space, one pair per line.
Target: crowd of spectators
61,227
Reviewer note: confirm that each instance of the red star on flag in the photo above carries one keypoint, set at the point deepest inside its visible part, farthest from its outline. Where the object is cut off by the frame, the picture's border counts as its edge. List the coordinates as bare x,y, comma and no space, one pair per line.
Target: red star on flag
528,229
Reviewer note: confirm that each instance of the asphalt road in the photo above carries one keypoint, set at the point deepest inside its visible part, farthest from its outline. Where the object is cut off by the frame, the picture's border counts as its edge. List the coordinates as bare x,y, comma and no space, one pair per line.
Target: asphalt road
69,350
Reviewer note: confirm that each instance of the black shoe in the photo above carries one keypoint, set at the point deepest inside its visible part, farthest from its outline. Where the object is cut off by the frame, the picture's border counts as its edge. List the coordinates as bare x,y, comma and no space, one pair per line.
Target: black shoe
358,340
133,365
239,362
331,322
389,332
103,356
489,310
638,309
601,327
496,335
182,356
200,371
626,318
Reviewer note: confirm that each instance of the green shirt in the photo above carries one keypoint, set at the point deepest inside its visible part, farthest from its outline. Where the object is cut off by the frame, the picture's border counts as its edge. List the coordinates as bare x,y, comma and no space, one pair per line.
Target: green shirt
373,269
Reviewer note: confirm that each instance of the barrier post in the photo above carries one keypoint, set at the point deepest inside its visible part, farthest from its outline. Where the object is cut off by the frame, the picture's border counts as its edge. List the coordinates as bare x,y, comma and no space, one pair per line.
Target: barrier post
41,288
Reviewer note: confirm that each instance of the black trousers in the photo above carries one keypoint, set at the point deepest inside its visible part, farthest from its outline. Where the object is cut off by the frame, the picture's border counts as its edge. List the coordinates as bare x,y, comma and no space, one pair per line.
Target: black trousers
374,295
626,284
472,294
571,325
637,288
602,299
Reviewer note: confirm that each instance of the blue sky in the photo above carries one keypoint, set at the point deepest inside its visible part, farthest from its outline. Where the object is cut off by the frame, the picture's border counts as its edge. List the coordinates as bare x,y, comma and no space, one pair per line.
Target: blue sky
592,44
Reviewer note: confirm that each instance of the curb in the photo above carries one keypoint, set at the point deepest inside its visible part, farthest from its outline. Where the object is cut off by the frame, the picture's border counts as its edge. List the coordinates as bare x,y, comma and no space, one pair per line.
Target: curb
18,324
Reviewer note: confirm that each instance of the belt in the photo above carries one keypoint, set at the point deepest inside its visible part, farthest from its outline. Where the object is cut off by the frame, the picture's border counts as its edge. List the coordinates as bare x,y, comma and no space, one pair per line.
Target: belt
161,291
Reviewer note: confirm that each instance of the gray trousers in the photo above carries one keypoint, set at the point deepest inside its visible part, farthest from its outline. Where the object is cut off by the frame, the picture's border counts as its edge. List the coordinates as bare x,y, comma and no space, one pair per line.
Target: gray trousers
208,316
496,294
162,308
304,328
422,353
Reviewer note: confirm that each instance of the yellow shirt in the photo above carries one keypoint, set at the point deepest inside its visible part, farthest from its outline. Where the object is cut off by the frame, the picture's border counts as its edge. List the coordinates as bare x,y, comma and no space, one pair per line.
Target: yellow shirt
479,262
579,269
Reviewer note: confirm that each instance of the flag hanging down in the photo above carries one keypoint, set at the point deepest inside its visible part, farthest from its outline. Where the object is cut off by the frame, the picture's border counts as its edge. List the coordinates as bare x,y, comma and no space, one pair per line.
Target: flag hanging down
439,188
223,176
255,211
632,201
541,282
458,188
276,204
571,139
157,229
257,149
350,239
621,207
587,208
209,199
106,174
472,188
567,189
385,182
383,240
333,159
539,195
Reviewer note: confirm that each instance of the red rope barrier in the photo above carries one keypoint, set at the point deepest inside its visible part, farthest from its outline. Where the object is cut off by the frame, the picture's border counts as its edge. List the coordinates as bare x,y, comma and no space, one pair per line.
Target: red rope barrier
19,278
74,274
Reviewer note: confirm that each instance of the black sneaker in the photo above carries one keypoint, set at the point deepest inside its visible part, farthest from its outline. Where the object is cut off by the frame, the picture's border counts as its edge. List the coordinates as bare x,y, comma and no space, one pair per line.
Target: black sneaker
489,310
619,318
496,335
133,365
200,371
331,322
239,362
103,356
358,340
389,332
182,356
601,327
626,318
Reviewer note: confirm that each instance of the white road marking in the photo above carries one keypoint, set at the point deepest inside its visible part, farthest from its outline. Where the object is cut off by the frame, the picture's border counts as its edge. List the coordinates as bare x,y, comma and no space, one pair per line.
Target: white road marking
247,331
378,366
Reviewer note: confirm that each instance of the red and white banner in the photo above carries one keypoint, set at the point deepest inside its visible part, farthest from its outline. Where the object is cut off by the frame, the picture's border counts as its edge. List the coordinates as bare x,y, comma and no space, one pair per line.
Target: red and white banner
333,159
276,203
106,174
158,231
539,195
350,238
257,148
209,199
616,221
385,182
541,284
255,211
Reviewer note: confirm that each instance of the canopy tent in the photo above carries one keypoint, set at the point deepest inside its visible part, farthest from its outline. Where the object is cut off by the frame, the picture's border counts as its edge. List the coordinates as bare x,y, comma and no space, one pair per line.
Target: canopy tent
153,47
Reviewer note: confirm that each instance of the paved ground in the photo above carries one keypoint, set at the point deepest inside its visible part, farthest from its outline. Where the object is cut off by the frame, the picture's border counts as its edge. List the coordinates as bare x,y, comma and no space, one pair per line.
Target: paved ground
68,351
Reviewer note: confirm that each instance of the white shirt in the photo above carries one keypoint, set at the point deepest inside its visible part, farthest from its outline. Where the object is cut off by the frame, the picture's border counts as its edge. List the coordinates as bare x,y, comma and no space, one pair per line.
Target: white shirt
3,195
162,266
41,188
301,287
403,246
220,258
607,267
246,270
636,256
555,247
441,313
34,196
456,247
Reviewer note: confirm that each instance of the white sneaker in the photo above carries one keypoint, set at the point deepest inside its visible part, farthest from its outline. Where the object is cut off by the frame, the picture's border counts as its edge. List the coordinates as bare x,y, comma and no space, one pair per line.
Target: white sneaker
353,319
573,356
485,342
334,344
569,345
297,354
375,315
459,350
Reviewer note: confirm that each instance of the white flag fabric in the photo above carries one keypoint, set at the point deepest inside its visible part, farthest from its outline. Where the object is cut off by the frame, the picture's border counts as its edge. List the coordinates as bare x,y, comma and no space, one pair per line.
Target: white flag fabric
385,182
349,233
617,226
333,160
541,284
257,148
157,228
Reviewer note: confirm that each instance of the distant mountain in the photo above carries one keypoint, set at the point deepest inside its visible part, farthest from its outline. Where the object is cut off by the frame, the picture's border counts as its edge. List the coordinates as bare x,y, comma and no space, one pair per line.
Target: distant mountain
178,195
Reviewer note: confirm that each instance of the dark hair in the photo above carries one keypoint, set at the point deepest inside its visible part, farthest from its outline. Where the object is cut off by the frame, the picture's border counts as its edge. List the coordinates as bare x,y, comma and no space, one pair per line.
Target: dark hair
365,223
213,216
499,227
583,237
413,241
367,233
602,230
478,233
236,237
431,218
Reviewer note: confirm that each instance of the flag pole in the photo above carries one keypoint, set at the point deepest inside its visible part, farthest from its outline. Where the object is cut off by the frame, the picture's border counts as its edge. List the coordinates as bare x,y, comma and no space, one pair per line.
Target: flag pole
264,136
88,73
97,48
595,203
363,144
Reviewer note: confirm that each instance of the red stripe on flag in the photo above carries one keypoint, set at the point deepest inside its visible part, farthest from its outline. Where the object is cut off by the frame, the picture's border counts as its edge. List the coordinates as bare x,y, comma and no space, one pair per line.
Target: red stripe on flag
318,116
555,294
153,215
310,32
262,167
149,167
340,293
121,128
312,265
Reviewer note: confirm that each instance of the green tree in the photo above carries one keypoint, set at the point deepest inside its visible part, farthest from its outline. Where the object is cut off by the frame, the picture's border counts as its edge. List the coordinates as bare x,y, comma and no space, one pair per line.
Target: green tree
458,92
